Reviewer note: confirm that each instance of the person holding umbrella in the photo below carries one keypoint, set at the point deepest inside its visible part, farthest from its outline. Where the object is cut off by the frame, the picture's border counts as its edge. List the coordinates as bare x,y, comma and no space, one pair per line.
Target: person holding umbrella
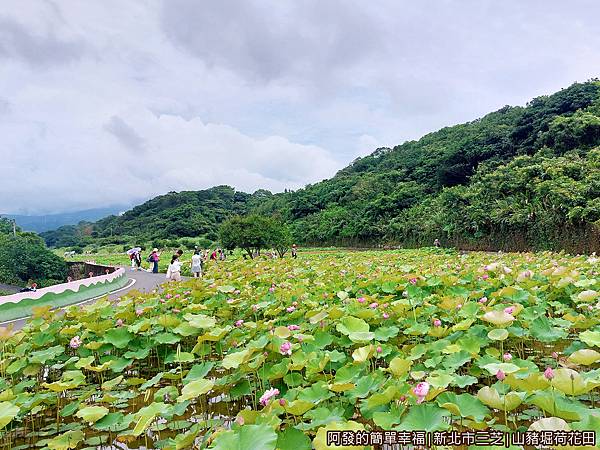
136,257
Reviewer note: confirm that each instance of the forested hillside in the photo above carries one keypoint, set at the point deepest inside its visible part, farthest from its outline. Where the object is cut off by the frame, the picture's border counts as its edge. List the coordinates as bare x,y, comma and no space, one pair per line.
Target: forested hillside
518,178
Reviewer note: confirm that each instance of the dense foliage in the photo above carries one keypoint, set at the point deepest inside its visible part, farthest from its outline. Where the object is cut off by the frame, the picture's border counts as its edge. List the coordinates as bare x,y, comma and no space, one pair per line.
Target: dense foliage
25,258
518,178
273,353
254,233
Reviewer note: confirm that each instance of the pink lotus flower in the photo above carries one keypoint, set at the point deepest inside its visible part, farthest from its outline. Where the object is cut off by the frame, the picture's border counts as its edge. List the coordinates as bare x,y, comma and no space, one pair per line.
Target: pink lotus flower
119,322
360,299
139,312
555,355
373,305
421,390
271,289
385,305
459,306
386,316
485,276
413,281
507,357
293,327
500,375
379,349
300,338
285,348
168,296
230,300
509,310
75,342
269,393
177,296
483,300
549,373
162,300
239,323
437,323
236,292
282,401
290,309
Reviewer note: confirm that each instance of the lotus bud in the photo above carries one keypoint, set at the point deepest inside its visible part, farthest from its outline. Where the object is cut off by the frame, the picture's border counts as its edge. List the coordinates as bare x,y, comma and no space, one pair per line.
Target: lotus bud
360,299
437,323
507,357
500,375
386,316
379,349
549,373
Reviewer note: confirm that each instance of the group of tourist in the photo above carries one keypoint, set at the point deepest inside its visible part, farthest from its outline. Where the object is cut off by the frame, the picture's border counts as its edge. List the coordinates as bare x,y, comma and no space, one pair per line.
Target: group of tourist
197,262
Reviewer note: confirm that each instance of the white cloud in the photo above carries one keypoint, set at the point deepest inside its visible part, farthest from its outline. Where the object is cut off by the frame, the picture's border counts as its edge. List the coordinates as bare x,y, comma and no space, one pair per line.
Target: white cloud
111,102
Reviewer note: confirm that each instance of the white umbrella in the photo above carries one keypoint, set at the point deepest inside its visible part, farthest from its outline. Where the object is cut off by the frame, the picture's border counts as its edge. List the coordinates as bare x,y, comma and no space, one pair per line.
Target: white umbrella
131,251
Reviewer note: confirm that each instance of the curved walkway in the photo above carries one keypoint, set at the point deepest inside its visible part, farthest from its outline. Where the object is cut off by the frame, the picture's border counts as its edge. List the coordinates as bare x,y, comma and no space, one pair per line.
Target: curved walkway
139,280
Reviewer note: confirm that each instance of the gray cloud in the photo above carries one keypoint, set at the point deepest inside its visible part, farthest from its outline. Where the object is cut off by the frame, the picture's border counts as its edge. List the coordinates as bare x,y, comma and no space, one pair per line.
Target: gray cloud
181,94
125,134
266,40
17,42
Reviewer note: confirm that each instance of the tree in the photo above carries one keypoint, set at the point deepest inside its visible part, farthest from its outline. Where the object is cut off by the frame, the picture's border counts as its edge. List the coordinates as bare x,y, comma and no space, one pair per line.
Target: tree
280,237
253,233
24,257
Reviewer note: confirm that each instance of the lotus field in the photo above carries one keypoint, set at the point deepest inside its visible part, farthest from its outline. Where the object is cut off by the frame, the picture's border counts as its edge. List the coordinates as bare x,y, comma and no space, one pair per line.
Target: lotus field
269,354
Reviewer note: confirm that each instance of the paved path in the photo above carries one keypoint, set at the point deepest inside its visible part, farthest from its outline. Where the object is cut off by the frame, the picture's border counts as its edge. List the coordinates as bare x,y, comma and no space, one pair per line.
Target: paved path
139,280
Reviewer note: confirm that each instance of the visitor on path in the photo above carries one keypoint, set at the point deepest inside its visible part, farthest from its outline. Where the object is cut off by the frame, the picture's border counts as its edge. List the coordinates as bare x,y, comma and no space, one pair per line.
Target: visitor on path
436,243
213,255
174,270
197,264
31,288
138,260
294,251
153,259
222,254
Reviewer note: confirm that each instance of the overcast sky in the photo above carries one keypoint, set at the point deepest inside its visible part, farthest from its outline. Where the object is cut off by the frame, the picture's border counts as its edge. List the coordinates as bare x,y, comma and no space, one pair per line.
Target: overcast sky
112,102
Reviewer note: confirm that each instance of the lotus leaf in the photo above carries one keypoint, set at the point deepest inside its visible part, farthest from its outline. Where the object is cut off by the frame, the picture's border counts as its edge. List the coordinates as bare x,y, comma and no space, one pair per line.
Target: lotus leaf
195,388
490,397
320,440
426,417
92,414
246,437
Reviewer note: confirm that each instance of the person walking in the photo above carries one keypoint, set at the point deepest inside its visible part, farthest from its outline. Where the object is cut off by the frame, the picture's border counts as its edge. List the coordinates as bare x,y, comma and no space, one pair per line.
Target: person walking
153,259
138,260
174,270
197,264
294,251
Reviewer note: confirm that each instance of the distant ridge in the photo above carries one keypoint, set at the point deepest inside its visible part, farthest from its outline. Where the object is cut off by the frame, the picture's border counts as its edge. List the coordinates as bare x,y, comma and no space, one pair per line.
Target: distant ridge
50,222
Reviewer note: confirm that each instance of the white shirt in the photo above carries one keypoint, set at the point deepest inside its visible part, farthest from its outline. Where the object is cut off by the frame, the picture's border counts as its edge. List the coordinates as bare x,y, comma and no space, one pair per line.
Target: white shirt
176,267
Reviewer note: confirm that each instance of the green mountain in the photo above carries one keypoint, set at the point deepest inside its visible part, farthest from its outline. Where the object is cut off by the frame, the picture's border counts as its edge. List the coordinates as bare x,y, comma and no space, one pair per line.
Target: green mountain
518,178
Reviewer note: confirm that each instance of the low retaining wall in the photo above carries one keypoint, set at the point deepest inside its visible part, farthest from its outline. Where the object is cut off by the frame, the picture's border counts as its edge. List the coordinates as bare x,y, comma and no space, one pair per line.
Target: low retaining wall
73,286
